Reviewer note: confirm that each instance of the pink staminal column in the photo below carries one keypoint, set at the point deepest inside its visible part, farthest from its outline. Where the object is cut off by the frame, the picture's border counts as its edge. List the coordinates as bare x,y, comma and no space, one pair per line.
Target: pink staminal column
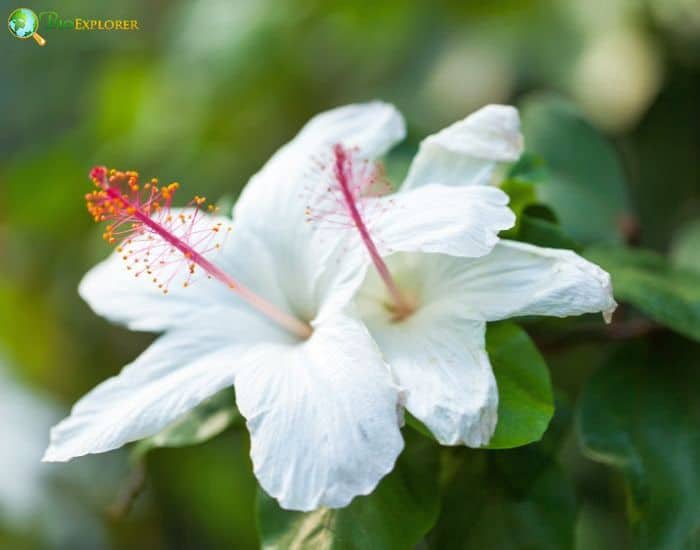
145,214
344,176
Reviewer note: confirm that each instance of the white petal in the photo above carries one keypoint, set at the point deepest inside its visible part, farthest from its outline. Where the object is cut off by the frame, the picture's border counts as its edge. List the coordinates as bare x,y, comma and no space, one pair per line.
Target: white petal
298,289
276,192
322,416
469,151
115,293
518,279
271,207
178,371
460,221
371,128
437,356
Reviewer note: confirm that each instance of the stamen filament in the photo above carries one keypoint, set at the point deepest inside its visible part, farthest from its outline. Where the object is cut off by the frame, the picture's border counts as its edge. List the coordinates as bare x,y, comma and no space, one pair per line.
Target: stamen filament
135,211
343,174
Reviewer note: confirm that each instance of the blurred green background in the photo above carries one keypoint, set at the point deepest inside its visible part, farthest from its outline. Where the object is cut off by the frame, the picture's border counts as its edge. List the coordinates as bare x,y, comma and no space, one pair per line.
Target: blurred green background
203,94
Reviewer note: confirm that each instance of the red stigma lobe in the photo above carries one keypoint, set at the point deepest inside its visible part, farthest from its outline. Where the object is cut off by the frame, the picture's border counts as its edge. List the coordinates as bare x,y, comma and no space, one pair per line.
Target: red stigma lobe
154,240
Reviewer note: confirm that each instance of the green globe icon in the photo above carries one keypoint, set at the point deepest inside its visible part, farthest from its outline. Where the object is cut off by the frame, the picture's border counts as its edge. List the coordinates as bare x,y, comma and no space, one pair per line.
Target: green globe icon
23,23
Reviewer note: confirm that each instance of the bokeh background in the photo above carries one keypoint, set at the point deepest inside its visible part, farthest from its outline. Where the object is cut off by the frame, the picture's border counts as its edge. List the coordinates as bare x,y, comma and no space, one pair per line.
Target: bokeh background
203,94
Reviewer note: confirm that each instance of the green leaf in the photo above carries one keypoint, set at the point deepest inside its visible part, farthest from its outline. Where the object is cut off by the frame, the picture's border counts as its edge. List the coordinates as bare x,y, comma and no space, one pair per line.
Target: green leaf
586,186
207,420
651,283
208,489
486,507
530,168
525,401
539,226
418,426
640,415
397,514
521,195
541,232
685,252
535,223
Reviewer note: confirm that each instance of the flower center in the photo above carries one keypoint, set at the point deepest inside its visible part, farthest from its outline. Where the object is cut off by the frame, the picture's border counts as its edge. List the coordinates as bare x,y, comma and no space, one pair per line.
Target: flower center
153,239
374,303
398,315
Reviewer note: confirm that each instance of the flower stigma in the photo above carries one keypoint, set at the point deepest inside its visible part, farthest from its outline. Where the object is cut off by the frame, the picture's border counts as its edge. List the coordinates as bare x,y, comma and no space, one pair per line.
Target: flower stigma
157,242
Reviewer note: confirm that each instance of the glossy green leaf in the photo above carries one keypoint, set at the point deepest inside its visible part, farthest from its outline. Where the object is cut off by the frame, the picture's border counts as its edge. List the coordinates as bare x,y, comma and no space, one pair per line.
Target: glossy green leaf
204,422
397,514
525,404
651,283
640,414
586,185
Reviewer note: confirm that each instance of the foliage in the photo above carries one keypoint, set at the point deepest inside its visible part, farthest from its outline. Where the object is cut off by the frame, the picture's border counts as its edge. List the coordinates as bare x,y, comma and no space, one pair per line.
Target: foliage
398,514
206,94
585,175
648,281
525,394
639,414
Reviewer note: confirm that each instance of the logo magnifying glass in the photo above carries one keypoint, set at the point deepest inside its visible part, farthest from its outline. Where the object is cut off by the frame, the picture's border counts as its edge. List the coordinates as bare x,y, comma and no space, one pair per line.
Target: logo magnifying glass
23,24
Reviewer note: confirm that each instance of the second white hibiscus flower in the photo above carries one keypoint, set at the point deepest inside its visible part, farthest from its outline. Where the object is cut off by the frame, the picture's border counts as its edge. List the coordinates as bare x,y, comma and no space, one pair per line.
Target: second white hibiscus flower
428,309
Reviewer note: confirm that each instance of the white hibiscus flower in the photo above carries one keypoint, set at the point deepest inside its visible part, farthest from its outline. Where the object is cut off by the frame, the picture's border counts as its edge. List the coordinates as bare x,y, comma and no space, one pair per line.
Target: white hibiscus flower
428,312
321,406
